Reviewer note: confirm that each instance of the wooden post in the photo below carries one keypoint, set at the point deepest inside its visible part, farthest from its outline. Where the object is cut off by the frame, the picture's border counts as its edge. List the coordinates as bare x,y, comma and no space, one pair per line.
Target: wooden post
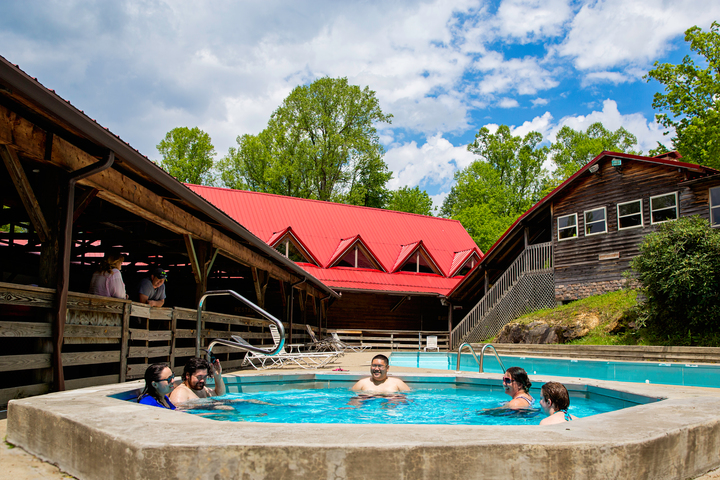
525,236
173,327
125,341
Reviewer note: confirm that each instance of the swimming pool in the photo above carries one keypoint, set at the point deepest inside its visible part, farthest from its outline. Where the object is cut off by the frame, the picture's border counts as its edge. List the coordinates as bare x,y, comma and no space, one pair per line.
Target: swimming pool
690,375
437,403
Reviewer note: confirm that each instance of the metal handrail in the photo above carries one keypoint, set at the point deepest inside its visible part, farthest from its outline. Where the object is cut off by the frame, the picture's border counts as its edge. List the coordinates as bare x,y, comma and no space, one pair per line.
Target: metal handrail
238,342
479,361
482,356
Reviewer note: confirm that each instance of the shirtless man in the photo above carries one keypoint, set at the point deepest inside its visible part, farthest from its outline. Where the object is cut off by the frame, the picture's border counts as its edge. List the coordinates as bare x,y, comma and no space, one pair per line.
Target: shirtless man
379,382
194,376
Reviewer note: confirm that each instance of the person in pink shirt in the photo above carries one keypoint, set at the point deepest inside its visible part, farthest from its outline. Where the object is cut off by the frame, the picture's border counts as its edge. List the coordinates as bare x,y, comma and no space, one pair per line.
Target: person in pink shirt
107,281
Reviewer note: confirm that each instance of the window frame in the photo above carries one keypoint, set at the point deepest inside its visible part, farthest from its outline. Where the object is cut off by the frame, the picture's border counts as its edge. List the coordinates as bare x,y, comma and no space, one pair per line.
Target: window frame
642,217
677,208
577,227
711,206
585,222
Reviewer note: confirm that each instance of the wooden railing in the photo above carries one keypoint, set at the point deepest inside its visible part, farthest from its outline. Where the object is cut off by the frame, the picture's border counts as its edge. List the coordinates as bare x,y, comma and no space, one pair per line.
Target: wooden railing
534,258
393,339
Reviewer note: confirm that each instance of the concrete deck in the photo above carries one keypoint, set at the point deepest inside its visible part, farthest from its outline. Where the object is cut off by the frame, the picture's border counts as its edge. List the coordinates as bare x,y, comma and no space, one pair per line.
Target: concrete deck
93,436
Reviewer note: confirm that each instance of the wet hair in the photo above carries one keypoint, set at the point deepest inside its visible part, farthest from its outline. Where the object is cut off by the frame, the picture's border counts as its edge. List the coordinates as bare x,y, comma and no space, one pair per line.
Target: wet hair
154,374
111,260
195,364
557,394
520,377
381,357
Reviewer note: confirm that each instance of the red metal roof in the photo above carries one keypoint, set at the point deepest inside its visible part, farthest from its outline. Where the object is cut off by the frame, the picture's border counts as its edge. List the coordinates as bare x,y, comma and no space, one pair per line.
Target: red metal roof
327,229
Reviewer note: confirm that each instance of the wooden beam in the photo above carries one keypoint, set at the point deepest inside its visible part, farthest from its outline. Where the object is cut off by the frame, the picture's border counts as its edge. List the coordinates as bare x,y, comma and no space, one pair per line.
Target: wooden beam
197,271
24,189
82,203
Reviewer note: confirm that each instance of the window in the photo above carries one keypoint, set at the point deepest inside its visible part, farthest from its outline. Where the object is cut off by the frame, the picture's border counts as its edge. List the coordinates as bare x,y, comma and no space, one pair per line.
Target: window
417,263
630,214
356,258
291,250
467,266
567,227
663,208
595,221
715,207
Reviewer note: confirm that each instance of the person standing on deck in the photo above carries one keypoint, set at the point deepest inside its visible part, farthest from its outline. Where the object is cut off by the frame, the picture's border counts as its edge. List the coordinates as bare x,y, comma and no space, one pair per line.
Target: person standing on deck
152,290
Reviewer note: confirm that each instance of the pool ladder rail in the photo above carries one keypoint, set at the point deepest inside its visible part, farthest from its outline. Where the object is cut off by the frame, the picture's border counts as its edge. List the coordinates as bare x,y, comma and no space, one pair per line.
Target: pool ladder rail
235,340
482,356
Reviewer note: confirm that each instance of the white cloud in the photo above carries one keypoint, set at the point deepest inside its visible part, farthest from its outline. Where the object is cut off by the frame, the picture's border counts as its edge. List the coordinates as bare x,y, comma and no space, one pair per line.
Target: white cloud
433,163
438,200
647,132
538,124
522,75
606,77
526,20
608,33
538,102
507,103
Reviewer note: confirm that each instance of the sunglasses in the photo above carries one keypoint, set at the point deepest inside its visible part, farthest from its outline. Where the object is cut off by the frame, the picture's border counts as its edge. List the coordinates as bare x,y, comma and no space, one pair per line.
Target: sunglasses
169,379
507,380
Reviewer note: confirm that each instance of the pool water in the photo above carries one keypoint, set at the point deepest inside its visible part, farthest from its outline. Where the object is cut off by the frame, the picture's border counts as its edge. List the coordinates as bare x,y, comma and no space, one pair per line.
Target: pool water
691,375
455,405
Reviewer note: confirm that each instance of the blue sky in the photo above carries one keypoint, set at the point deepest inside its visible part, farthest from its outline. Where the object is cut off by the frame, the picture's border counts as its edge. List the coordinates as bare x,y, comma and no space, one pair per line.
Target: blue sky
443,68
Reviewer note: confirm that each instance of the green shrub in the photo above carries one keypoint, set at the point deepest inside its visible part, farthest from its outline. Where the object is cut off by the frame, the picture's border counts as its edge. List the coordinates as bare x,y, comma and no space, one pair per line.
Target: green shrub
679,269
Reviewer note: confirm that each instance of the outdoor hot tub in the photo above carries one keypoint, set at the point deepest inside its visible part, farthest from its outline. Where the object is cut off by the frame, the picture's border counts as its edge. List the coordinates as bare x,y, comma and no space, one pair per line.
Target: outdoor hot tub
96,433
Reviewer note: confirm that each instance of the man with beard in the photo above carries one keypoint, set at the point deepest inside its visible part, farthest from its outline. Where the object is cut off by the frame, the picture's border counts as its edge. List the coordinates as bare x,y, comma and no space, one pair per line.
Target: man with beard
379,382
194,377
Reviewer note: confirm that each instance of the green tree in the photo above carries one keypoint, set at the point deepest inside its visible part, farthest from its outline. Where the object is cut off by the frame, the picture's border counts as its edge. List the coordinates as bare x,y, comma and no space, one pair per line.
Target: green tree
320,143
679,269
411,200
691,100
188,155
573,149
494,190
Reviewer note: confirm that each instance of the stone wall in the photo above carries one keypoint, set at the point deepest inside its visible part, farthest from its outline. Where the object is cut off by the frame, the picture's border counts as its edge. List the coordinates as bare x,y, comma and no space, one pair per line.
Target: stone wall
565,293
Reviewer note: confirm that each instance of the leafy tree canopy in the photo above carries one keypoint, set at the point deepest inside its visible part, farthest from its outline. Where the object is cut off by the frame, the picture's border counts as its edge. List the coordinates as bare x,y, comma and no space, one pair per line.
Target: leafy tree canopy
411,200
497,188
188,155
691,100
320,143
573,149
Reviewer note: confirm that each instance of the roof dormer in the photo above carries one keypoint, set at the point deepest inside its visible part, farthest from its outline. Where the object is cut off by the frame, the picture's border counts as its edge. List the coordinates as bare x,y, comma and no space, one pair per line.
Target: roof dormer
353,253
288,244
415,258
463,262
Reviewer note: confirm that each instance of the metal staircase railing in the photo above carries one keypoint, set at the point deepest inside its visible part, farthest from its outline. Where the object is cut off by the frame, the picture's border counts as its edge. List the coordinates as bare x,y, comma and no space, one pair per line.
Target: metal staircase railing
534,259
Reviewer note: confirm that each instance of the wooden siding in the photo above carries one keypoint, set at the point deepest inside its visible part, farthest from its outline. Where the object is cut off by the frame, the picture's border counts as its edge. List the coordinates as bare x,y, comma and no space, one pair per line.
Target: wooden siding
603,257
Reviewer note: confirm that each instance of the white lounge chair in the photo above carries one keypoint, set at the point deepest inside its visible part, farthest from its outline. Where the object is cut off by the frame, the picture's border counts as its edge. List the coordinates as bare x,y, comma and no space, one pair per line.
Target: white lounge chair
302,360
320,345
431,343
346,346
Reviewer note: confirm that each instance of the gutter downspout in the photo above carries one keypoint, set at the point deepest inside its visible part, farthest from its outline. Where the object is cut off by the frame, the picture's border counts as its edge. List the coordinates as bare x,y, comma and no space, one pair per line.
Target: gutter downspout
292,303
61,293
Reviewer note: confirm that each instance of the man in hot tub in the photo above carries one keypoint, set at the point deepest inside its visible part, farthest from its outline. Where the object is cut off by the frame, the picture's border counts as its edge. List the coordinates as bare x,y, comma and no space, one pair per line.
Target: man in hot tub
379,383
195,374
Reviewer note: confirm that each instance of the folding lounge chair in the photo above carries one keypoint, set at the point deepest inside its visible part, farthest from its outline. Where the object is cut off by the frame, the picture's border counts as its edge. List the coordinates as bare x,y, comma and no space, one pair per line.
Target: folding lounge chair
303,360
431,343
320,345
346,346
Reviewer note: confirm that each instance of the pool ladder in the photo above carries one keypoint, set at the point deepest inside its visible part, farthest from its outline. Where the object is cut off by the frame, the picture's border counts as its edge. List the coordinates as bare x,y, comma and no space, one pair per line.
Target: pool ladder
235,340
482,356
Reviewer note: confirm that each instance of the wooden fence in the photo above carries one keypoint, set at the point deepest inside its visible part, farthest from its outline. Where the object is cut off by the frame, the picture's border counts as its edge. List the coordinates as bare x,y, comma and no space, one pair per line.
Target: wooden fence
393,339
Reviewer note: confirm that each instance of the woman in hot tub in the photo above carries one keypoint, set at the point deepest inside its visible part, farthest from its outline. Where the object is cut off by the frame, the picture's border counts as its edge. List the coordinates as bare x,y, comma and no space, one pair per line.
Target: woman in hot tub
158,385
517,384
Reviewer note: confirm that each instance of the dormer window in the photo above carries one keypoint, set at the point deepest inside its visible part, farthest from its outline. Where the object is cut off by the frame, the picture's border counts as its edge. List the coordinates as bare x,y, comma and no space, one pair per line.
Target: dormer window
289,246
352,253
467,266
418,262
356,258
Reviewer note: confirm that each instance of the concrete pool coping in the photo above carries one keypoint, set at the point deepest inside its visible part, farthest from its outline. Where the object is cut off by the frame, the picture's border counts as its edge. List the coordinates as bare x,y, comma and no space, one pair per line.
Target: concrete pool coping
90,435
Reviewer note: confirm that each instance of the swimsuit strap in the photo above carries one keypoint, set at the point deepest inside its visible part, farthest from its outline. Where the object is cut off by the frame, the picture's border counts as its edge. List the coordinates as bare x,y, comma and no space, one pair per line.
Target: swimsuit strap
568,418
530,402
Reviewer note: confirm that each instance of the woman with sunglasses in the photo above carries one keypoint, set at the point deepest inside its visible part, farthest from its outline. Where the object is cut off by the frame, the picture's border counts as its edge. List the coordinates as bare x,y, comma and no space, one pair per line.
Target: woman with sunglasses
554,400
158,385
517,384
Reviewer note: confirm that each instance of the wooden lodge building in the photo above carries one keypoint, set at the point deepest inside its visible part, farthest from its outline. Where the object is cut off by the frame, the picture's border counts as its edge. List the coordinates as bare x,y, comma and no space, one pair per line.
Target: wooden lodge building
579,239
393,269
72,191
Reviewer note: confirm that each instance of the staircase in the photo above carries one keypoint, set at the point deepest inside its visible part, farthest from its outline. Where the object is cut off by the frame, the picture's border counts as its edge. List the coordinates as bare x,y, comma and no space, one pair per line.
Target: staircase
527,285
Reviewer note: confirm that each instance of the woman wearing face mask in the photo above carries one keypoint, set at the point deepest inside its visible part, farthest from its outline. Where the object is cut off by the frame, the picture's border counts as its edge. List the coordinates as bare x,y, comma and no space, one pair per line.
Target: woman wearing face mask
158,385
554,400
517,384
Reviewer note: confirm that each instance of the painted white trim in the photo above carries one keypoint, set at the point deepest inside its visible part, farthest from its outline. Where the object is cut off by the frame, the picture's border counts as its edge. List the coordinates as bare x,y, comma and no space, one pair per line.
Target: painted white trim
604,220
677,208
642,217
711,206
577,228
